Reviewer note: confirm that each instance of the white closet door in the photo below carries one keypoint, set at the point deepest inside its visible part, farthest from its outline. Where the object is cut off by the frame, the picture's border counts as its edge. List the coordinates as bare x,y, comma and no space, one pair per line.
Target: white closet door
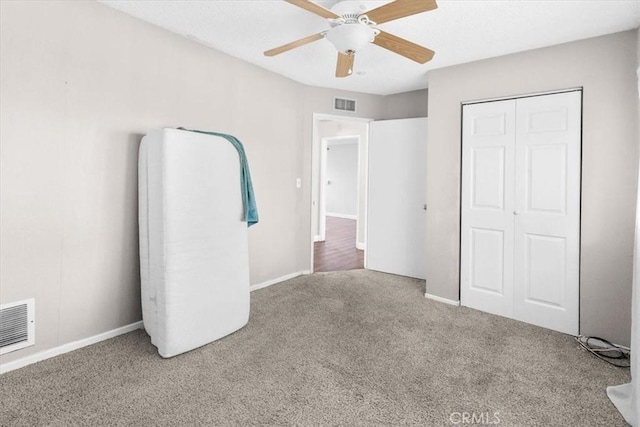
520,252
547,220
487,207
396,218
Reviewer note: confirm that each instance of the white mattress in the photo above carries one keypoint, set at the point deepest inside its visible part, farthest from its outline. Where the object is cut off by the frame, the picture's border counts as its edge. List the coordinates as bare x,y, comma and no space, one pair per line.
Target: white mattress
194,258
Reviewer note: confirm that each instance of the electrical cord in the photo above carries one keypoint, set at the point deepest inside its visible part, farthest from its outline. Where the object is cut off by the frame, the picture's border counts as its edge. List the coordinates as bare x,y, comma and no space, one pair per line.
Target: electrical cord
604,350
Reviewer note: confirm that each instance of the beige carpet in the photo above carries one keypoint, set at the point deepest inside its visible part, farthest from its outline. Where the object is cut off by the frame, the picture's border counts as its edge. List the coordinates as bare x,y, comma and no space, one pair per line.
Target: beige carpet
345,348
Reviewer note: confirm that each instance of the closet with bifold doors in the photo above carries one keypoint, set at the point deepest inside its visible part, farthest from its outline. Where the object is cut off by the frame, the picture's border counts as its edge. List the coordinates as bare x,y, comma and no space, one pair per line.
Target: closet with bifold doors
520,207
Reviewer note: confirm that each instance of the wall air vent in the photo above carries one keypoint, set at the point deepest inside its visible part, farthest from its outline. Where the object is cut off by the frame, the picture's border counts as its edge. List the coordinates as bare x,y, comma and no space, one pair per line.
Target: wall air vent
17,325
342,104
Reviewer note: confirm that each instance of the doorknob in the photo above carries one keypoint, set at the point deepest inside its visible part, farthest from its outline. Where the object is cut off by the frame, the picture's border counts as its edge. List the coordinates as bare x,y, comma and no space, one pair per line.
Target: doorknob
516,212
424,207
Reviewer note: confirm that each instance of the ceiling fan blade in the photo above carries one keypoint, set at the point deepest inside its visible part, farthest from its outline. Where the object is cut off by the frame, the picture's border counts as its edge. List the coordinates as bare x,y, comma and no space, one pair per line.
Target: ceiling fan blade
345,64
314,8
400,9
404,47
293,45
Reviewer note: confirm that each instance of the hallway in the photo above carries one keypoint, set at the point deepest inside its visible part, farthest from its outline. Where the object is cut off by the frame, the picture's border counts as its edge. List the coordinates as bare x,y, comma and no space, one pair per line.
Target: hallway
339,251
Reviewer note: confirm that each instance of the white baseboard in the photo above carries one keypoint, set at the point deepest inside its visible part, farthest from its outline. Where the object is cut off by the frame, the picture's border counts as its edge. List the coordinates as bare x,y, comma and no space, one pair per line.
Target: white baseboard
66,348
278,280
443,300
361,246
317,238
339,215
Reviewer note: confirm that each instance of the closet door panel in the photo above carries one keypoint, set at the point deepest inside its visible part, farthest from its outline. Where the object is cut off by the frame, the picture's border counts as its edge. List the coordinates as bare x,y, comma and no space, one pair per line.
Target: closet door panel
547,211
487,207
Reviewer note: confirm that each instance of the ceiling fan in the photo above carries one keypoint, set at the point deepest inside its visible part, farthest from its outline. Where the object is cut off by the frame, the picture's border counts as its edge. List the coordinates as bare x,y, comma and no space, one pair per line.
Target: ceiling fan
352,28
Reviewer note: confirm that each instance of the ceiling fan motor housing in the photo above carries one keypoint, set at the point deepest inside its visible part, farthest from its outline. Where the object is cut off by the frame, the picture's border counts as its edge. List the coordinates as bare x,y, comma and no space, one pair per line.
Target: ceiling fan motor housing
352,31
349,8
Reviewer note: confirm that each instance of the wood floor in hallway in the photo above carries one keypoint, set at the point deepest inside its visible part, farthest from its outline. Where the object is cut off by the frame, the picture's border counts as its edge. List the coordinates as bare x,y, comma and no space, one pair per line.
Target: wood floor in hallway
338,252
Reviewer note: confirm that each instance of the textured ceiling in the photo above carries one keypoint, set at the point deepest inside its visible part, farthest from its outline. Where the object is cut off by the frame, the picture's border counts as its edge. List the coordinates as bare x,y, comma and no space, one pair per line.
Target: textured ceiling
459,31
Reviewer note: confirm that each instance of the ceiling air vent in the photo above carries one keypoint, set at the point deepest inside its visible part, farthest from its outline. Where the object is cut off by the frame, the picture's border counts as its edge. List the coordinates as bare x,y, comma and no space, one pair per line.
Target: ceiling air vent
343,104
17,325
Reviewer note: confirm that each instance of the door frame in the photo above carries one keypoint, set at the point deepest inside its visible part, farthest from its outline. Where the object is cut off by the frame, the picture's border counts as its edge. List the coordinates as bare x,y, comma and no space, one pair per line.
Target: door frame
322,190
524,95
315,163
460,201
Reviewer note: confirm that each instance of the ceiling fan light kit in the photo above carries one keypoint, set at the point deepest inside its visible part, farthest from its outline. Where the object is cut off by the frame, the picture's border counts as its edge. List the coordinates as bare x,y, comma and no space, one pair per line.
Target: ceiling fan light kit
353,28
350,38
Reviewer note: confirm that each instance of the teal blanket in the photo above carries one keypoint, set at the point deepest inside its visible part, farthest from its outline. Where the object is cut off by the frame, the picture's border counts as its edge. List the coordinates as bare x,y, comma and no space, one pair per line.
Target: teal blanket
248,196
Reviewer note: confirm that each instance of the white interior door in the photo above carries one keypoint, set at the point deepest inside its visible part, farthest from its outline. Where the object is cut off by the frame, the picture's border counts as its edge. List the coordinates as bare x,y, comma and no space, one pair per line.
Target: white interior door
487,207
547,224
396,219
520,234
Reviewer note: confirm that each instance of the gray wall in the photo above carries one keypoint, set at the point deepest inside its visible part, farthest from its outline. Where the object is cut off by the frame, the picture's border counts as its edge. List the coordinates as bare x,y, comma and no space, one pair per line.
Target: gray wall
605,67
81,83
406,105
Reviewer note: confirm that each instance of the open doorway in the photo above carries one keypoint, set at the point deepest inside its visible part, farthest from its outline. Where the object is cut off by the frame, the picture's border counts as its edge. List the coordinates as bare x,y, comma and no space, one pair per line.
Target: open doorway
339,193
